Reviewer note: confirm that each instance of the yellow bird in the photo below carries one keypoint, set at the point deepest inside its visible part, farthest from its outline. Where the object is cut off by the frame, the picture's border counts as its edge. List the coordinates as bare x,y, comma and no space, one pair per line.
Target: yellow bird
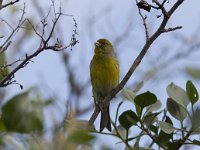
104,73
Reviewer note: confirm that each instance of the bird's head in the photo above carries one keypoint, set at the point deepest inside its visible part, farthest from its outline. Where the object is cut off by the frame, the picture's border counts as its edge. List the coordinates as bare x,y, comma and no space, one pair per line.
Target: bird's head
103,46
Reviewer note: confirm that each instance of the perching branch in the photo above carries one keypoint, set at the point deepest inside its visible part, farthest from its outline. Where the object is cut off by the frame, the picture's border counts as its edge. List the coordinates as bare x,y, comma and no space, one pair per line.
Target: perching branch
137,61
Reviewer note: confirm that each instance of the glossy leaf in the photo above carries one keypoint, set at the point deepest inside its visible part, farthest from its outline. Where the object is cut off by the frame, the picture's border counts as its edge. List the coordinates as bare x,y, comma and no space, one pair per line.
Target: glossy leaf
176,110
127,94
178,95
128,119
145,99
153,107
175,145
22,114
196,142
196,121
150,118
166,127
164,138
192,92
153,128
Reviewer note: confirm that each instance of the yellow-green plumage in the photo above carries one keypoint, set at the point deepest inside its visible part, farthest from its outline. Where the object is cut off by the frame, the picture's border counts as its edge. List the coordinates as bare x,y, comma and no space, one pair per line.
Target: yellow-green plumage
104,72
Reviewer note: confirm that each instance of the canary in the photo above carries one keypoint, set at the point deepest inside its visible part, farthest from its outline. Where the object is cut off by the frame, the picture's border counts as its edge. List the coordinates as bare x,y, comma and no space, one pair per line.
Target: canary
104,73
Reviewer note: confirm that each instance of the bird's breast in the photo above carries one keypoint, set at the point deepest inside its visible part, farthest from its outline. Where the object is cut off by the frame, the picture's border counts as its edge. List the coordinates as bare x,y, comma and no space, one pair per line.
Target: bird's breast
104,74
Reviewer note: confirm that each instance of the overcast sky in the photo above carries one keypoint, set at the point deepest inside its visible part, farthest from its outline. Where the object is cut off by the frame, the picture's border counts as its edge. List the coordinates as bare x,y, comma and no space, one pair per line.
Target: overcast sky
116,14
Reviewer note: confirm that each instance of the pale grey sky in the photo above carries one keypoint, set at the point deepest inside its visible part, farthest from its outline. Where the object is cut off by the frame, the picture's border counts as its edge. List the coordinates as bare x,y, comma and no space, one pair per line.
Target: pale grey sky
48,65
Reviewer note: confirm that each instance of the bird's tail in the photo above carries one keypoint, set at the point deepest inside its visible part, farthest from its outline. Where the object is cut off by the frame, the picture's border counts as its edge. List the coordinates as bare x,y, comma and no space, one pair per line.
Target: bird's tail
105,119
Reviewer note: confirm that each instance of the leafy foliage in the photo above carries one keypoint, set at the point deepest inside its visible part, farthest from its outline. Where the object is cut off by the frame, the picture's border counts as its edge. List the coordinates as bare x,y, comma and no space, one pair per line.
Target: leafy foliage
178,95
128,119
163,137
23,114
127,94
176,110
161,129
145,99
192,92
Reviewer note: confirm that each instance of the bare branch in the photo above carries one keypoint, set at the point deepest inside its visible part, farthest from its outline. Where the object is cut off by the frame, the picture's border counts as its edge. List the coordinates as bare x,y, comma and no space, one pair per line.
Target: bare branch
44,45
36,32
20,23
8,4
144,22
172,29
161,7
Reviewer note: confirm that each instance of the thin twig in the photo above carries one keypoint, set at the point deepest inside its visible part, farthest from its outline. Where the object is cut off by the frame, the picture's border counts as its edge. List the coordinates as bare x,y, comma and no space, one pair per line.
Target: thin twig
20,23
172,29
144,22
8,4
7,80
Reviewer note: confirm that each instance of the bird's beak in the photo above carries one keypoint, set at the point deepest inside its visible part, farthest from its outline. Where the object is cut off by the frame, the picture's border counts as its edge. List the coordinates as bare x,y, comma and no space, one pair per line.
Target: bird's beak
97,44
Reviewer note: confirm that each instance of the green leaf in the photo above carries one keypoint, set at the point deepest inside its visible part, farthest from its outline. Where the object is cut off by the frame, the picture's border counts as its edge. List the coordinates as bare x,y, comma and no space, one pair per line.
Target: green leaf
192,92
164,138
178,95
176,110
3,71
196,121
154,129
166,127
175,145
128,119
127,94
145,99
23,114
196,142
153,107
138,109
194,72
81,137
150,118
